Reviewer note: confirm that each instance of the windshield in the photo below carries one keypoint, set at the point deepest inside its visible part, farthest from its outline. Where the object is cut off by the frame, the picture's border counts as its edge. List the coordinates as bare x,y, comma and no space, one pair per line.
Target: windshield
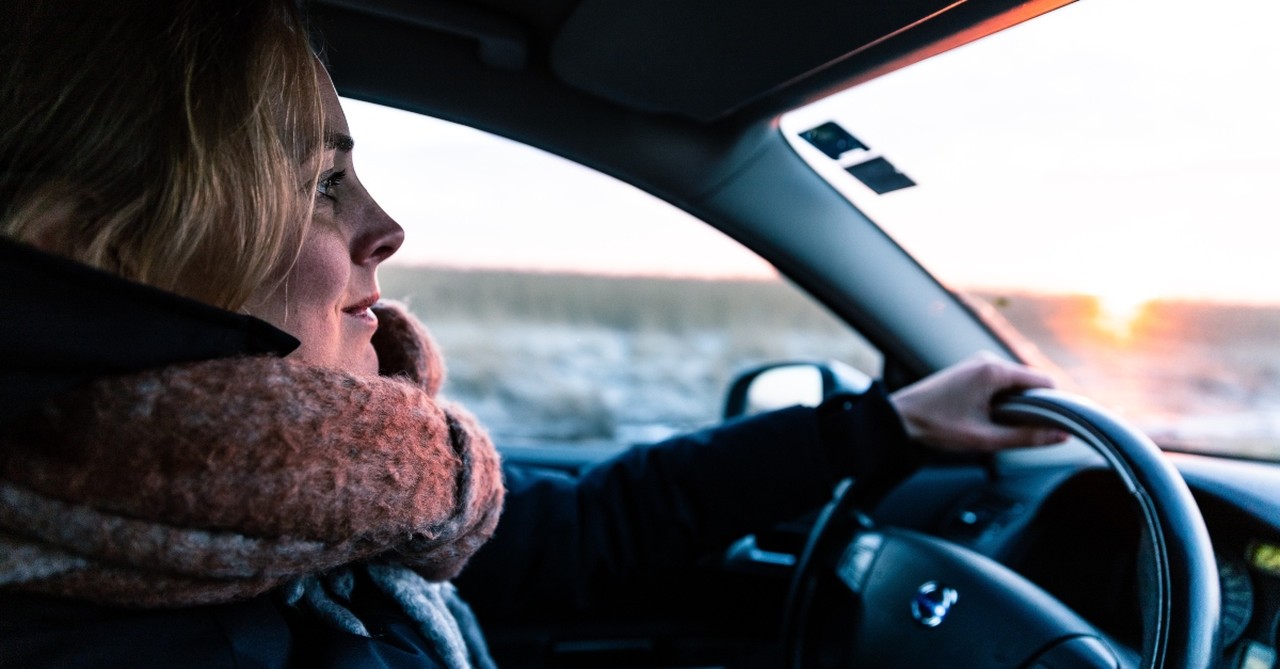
1102,178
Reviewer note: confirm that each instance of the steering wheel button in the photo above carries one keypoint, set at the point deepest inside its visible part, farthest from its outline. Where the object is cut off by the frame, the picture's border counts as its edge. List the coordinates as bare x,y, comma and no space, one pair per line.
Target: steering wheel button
857,559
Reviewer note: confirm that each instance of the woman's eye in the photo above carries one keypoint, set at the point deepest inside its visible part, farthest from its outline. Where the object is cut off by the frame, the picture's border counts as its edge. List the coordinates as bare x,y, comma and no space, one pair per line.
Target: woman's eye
328,185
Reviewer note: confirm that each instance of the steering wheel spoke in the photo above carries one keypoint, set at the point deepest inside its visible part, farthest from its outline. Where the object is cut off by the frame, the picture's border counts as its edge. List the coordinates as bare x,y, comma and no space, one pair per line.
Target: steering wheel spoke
928,599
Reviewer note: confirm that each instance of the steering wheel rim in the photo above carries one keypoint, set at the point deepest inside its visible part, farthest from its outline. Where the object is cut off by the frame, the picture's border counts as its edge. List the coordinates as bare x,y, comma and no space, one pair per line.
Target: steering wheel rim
1183,618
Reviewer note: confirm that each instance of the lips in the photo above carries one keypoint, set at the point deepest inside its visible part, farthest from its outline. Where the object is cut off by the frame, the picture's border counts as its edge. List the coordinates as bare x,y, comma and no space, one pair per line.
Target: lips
362,309
362,304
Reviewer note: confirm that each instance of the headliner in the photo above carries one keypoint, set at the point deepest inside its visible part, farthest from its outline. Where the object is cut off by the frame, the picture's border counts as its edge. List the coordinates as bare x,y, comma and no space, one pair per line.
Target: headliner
707,61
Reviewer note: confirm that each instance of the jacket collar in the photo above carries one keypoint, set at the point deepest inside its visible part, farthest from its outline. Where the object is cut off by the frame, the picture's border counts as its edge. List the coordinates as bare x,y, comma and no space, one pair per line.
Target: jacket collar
65,323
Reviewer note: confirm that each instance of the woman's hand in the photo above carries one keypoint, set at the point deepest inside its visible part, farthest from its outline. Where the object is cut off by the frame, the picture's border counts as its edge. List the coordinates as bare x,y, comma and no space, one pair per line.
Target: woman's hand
950,410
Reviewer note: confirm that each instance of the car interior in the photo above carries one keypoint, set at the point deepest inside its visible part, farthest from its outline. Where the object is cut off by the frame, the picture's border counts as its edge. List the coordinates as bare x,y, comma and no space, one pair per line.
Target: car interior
1102,552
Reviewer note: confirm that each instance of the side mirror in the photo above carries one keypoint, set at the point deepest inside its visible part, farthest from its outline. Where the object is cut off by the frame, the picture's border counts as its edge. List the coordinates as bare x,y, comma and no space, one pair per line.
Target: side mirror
783,384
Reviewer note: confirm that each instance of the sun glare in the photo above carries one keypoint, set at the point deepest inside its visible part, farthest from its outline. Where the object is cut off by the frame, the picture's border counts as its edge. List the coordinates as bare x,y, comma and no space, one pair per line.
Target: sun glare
1119,313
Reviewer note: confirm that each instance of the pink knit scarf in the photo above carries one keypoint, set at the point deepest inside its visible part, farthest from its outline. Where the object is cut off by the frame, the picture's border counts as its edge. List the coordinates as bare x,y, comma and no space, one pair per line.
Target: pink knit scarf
214,481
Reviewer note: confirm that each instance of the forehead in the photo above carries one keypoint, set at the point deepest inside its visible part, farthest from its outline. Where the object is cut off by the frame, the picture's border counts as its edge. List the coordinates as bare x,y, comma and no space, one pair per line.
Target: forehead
335,121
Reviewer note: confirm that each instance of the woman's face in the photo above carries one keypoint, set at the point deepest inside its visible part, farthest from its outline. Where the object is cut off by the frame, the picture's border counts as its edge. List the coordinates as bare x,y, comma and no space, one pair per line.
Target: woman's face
325,298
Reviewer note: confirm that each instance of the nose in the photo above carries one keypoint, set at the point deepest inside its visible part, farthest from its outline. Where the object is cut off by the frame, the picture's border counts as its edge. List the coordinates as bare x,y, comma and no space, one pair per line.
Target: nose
379,238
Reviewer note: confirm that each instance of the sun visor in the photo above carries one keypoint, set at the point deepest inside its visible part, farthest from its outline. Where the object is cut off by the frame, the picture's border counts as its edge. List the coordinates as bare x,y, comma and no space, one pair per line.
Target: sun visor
704,59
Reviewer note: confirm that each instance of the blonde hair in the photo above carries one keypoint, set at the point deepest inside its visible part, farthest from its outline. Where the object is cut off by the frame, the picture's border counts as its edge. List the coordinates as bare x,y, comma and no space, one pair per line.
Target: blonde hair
170,142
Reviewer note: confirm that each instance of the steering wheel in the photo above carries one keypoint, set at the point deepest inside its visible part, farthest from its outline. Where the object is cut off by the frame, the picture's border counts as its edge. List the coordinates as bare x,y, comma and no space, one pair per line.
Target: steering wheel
881,598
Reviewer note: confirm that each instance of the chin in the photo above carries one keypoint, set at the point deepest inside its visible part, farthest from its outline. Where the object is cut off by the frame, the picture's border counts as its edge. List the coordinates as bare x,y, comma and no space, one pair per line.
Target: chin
366,362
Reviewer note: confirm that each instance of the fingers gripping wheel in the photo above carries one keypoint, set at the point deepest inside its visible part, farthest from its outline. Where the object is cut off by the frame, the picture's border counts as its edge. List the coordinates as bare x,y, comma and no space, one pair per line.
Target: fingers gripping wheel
867,597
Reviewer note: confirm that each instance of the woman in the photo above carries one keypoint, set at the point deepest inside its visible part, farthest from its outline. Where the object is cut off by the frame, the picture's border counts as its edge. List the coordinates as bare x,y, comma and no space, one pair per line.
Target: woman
199,148
182,483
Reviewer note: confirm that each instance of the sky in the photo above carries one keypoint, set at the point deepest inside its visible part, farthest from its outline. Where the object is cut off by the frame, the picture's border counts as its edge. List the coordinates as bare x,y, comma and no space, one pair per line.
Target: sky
1128,149
467,198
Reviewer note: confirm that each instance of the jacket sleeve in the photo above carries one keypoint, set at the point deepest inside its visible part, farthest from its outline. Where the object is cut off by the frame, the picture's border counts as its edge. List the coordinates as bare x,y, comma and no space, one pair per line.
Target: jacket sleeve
657,508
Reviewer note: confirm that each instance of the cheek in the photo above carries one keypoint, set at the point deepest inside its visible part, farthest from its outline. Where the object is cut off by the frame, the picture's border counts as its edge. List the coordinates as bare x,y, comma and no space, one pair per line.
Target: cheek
315,287
319,277
307,303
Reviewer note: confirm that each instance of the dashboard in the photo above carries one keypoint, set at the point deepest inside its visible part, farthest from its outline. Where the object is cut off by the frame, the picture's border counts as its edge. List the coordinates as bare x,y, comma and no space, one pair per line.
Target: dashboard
1064,522
1071,529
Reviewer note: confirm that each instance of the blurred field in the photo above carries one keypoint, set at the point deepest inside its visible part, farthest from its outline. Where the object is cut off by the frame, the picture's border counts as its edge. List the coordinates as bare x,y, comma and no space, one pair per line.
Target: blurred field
571,358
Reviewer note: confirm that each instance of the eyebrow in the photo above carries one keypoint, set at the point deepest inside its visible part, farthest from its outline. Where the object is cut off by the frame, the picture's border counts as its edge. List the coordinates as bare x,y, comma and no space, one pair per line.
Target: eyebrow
339,141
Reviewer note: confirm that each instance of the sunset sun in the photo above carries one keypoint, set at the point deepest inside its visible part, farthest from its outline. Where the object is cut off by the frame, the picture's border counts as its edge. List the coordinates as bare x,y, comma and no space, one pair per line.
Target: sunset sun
1119,313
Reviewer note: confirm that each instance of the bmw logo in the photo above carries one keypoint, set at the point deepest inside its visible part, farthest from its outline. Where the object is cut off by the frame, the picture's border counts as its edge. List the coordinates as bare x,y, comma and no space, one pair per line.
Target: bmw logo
932,603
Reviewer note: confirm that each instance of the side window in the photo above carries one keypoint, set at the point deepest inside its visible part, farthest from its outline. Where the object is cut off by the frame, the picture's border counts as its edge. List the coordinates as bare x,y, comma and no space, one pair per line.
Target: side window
573,308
